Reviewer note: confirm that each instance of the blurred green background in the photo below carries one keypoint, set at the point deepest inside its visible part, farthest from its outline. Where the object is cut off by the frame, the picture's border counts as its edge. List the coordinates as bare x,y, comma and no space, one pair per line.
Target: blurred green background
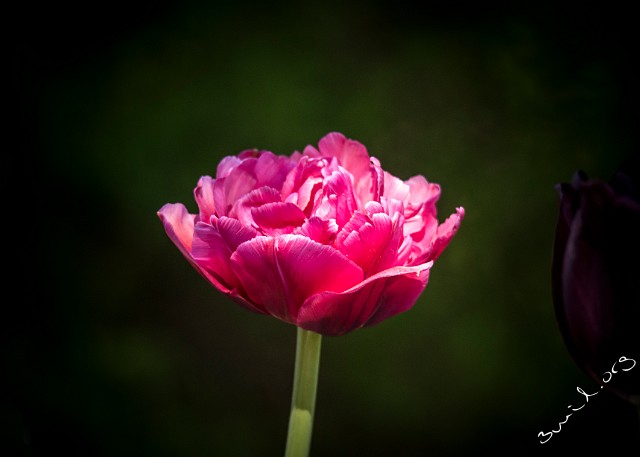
116,347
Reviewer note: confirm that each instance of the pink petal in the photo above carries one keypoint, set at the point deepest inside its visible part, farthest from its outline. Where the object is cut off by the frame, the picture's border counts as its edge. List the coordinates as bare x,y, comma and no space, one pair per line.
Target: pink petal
212,254
310,151
178,224
273,218
226,165
395,187
368,176
377,298
423,194
204,196
303,182
240,181
255,266
321,231
400,294
422,227
338,201
281,273
242,207
446,231
234,233
271,170
370,241
351,154
376,188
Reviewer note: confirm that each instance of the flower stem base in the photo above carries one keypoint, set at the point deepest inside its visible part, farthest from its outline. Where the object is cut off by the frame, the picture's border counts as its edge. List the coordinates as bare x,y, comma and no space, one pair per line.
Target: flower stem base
305,383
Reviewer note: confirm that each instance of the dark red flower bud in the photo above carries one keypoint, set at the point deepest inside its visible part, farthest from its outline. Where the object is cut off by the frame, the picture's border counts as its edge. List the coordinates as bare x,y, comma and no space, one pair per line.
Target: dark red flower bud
596,276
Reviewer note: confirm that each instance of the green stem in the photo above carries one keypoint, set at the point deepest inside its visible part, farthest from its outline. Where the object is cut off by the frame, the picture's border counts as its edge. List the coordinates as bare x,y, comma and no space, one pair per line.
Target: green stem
303,400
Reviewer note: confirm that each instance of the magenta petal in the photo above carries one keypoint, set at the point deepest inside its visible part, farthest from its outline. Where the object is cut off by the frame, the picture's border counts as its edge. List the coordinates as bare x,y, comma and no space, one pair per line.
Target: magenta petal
308,267
272,217
377,298
281,273
254,264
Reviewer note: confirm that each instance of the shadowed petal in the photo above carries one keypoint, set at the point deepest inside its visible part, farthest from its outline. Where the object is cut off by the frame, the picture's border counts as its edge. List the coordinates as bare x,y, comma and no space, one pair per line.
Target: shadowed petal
378,297
212,254
204,196
234,233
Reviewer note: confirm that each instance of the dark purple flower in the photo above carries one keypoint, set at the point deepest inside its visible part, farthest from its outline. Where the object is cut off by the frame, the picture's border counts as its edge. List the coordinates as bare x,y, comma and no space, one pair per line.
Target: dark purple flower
596,276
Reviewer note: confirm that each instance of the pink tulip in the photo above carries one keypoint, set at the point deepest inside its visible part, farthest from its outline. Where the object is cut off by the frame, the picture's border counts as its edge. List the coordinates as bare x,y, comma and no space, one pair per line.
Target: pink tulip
324,239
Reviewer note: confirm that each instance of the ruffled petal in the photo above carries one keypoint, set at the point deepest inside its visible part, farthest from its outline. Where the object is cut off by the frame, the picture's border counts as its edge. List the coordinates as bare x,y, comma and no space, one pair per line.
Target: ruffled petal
303,181
371,240
338,201
321,231
257,197
445,232
378,297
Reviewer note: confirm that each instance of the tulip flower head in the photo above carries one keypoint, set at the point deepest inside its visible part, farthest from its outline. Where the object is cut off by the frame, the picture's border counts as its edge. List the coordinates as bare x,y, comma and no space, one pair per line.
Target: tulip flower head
596,275
324,239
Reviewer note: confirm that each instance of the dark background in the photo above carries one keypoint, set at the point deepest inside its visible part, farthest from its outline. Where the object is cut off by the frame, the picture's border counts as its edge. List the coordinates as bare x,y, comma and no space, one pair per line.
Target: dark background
114,346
